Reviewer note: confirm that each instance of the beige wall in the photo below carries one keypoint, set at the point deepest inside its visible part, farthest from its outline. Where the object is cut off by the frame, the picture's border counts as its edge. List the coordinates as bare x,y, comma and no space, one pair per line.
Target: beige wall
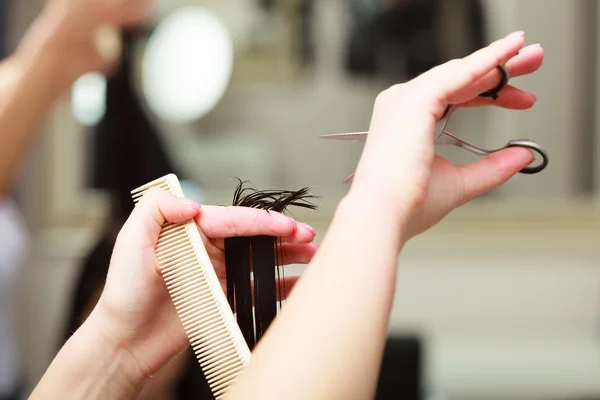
499,319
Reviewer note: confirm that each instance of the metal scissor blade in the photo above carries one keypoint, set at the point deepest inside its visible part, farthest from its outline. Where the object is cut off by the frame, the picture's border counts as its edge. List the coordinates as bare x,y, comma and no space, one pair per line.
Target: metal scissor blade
362,136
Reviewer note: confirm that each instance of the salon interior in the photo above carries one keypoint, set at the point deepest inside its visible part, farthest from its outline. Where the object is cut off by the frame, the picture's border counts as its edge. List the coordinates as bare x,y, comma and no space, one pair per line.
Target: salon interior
501,300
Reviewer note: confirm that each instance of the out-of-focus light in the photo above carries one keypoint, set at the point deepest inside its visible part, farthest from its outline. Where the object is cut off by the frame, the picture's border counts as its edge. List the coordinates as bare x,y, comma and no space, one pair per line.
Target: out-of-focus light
88,98
187,65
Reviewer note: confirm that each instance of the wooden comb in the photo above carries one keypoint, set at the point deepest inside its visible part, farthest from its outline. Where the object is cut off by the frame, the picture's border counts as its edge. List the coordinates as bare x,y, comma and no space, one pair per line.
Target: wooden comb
198,297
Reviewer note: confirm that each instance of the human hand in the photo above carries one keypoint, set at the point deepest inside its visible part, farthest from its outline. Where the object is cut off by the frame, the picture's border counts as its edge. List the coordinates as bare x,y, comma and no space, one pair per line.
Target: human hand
399,162
86,32
135,311
118,13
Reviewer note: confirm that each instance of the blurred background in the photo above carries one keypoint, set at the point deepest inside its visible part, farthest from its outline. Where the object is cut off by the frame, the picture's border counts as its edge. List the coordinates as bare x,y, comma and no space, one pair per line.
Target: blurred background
499,301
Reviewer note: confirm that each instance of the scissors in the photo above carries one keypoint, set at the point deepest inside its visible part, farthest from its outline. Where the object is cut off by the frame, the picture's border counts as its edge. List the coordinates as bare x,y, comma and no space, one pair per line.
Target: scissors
442,137
445,138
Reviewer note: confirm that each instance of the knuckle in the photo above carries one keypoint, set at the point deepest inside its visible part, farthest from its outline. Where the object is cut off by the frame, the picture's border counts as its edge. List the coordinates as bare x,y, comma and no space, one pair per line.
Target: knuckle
460,67
398,90
391,94
154,192
124,238
455,63
381,98
152,195
231,226
456,67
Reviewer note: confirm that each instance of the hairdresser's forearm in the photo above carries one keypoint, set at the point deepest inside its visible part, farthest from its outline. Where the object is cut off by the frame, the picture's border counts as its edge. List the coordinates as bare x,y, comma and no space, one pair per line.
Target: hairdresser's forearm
327,342
30,82
90,366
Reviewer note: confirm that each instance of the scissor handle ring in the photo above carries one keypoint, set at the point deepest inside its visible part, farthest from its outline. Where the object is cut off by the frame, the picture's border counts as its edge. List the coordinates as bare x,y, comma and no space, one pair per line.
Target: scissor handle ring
493,93
528,144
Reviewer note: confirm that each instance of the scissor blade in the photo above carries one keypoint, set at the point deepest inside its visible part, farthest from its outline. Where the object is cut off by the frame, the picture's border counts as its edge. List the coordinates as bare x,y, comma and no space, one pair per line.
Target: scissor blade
347,136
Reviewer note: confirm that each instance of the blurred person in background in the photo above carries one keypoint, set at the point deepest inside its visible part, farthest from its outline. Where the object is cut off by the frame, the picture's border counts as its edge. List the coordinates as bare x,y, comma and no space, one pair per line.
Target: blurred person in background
13,247
60,46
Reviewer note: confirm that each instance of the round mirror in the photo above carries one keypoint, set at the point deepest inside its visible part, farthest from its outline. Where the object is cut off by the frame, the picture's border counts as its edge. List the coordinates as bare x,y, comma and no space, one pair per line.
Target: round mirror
187,65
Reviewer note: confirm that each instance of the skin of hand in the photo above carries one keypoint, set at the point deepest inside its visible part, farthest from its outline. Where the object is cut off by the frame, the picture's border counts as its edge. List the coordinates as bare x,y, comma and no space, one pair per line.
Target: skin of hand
135,318
78,24
149,308
436,186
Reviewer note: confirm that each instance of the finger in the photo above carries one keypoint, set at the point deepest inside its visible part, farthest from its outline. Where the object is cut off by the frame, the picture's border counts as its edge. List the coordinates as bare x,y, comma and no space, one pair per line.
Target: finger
297,253
154,209
511,98
282,292
454,81
528,60
218,222
304,234
287,285
493,171
290,253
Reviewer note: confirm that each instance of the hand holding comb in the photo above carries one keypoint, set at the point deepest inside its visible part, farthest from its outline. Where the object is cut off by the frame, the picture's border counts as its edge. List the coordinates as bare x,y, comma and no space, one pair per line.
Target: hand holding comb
198,298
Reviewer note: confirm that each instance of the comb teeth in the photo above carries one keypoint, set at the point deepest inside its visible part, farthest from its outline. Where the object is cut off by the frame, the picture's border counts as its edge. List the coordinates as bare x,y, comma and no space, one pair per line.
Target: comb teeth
199,300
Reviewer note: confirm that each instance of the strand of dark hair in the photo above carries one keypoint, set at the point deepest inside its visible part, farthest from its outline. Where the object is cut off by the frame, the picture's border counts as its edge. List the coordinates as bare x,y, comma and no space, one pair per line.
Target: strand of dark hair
263,255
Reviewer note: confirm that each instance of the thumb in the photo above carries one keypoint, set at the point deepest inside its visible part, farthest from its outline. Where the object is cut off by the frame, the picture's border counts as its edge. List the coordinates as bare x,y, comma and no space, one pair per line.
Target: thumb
493,171
155,208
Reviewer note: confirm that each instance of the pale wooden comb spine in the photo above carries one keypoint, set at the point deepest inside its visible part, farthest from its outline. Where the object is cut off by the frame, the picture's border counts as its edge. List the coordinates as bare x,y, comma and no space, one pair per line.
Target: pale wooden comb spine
199,300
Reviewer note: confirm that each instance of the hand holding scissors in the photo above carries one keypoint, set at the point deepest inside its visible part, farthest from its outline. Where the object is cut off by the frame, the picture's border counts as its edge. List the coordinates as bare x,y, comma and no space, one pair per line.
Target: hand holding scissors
399,161
442,137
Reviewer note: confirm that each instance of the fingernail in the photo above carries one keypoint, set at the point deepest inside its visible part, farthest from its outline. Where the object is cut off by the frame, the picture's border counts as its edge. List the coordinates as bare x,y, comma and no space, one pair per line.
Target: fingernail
533,96
195,205
310,228
516,34
295,224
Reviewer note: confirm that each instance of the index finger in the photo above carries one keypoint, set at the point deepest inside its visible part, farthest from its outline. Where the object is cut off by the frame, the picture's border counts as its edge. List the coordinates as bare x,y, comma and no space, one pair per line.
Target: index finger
220,222
154,209
454,81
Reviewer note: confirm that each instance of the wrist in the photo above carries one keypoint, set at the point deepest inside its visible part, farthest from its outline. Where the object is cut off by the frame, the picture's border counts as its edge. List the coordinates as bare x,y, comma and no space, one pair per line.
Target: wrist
92,366
118,372
384,217
377,197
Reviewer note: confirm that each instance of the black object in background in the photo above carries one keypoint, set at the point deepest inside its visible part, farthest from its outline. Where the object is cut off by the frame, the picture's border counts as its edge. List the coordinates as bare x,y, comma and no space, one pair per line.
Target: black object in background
263,256
126,149
307,38
387,35
403,40
267,5
401,373
4,18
